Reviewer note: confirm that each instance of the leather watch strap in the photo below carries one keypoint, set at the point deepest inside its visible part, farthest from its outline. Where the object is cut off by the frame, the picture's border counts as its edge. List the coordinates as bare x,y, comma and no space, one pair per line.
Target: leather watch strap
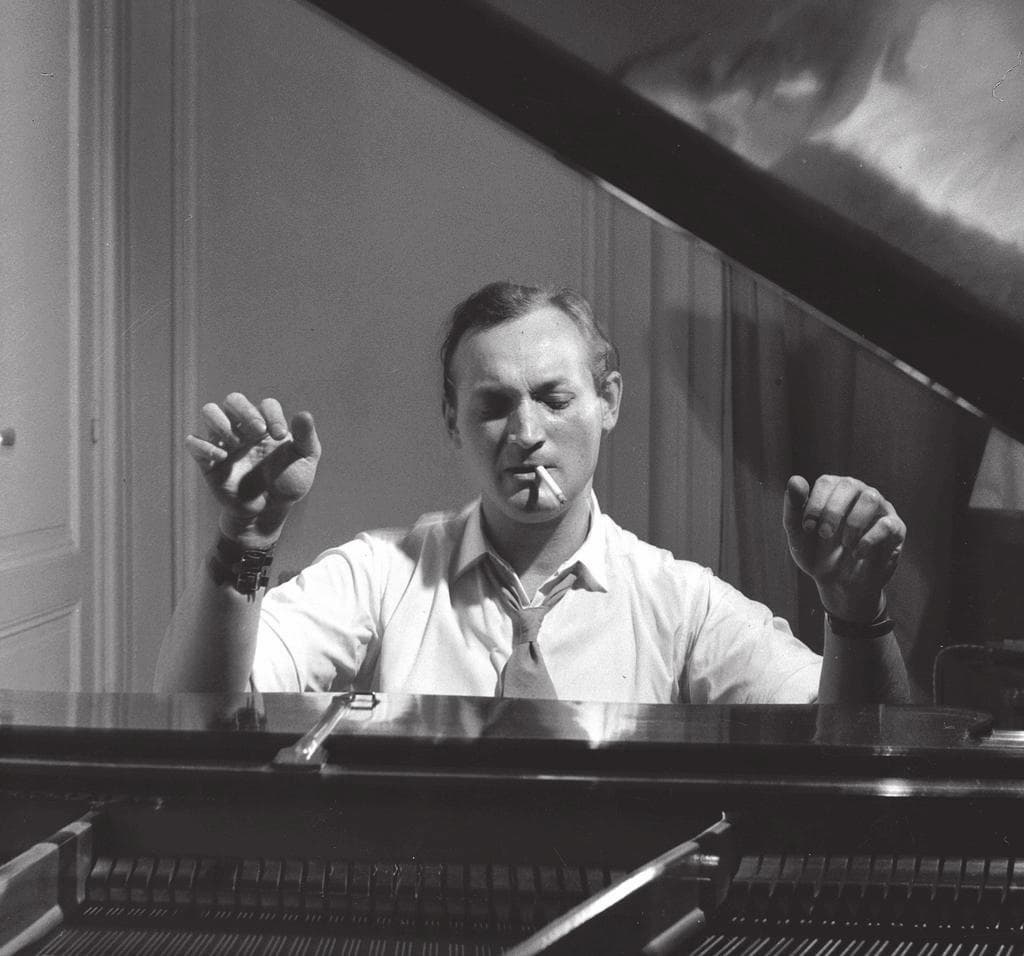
879,627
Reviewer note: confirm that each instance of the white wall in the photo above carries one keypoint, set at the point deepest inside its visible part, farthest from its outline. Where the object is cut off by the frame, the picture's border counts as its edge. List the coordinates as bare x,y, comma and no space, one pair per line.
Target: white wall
303,212
344,206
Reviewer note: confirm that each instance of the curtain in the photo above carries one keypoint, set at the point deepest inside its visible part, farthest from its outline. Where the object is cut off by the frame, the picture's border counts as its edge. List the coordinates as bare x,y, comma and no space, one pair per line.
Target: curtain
749,386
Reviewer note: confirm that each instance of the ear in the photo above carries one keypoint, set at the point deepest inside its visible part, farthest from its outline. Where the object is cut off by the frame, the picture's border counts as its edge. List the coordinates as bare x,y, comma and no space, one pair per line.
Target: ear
450,424
611,397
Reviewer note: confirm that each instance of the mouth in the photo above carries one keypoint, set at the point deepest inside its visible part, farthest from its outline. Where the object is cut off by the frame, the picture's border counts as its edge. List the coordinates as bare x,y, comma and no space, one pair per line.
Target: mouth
536,478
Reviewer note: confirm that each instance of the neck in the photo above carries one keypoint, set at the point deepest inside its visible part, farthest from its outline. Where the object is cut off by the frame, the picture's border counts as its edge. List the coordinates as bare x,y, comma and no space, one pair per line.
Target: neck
536,550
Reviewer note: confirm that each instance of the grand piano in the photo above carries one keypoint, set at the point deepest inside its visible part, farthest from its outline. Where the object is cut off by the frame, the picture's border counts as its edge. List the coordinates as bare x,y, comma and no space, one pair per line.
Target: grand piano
375,824
372,824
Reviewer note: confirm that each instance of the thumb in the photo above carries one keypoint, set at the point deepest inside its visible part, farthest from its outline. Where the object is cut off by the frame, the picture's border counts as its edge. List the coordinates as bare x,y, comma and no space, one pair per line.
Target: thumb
304,436
797,492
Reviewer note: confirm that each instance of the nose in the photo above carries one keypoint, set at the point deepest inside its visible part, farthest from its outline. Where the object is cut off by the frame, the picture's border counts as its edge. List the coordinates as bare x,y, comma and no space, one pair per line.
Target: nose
524,426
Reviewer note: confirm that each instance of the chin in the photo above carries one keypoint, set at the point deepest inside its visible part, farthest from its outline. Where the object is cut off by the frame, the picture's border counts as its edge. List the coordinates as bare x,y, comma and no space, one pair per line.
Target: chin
528,507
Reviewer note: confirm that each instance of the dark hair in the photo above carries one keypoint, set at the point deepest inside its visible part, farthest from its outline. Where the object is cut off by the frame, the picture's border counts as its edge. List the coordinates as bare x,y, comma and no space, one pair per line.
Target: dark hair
502,302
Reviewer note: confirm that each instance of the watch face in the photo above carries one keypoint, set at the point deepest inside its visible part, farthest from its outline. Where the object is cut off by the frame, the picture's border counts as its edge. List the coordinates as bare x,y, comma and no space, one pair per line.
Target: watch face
251,571
254,560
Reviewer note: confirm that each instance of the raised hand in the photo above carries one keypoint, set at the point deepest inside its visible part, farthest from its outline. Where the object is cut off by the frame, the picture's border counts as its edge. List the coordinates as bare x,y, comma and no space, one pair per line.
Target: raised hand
256,467
848,538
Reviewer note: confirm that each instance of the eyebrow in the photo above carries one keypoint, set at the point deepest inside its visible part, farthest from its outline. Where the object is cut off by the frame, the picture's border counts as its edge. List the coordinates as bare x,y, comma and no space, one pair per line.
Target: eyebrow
495,388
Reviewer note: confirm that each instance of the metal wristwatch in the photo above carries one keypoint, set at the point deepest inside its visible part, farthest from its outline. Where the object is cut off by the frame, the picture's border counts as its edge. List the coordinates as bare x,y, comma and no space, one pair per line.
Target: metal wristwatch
245,569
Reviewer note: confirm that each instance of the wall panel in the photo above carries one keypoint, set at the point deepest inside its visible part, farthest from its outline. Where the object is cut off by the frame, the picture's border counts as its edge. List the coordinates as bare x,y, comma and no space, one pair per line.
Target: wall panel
43,652
45,373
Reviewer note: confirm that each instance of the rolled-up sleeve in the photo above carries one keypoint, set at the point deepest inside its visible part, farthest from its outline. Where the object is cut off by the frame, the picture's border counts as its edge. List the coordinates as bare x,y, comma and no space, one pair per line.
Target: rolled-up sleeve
740,653
317,630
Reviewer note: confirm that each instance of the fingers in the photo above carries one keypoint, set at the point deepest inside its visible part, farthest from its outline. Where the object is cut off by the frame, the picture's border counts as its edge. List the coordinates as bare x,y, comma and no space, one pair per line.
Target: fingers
305,437
854,512
885,536
827,505
794,502
848,538
206,453
237,422
872,525
219,427
273,418
247,421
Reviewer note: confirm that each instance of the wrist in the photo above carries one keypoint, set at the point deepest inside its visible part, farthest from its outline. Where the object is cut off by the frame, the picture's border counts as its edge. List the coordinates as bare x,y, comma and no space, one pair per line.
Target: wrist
852,608
246,533
246,569
879,626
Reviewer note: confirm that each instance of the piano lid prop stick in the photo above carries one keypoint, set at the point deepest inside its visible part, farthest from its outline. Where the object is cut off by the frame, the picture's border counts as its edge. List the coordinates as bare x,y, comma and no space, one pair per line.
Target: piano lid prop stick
308,753
542,474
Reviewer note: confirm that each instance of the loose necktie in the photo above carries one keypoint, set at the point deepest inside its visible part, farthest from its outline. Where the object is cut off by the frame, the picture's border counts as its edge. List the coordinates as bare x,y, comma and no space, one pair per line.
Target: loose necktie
524,674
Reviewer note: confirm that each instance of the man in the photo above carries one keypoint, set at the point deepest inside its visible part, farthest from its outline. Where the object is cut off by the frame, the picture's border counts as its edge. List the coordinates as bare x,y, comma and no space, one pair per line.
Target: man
531,591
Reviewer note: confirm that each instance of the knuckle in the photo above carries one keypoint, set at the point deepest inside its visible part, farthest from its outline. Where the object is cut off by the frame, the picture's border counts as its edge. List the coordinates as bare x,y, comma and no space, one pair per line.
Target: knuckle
893,527
847,491
821,491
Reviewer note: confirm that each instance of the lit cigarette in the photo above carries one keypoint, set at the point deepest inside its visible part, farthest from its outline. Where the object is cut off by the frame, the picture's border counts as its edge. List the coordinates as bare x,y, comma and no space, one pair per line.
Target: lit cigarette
542,474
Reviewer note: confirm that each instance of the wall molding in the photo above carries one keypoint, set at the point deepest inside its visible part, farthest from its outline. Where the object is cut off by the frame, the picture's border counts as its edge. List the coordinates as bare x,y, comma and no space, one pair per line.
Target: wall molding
51,543
24,635
41,543
14,629
100,37
184,373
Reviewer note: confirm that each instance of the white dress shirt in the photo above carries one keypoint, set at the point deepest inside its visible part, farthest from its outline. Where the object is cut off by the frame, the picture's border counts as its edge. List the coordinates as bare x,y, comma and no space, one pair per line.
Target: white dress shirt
412,611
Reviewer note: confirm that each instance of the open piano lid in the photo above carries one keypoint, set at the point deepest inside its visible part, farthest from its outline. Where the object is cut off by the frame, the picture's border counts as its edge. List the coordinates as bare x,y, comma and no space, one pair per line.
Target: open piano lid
868,157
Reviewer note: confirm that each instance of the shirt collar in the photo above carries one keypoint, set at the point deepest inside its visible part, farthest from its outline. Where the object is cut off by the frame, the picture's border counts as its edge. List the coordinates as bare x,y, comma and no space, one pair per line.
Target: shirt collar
591,556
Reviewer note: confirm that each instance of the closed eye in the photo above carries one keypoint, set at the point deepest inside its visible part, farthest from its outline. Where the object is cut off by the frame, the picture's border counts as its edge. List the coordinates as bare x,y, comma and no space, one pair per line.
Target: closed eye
489,407
557,401
493,405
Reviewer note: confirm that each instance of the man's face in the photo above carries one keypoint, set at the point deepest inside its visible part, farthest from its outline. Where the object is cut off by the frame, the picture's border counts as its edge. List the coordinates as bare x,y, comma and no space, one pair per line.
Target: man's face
526,397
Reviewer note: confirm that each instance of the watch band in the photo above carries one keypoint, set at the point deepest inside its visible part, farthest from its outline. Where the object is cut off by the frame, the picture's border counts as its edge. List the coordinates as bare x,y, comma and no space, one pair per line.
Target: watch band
879,627
245,569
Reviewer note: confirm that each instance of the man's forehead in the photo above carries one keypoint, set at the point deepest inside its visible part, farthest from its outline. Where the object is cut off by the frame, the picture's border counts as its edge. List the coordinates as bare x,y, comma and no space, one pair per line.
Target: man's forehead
542,346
